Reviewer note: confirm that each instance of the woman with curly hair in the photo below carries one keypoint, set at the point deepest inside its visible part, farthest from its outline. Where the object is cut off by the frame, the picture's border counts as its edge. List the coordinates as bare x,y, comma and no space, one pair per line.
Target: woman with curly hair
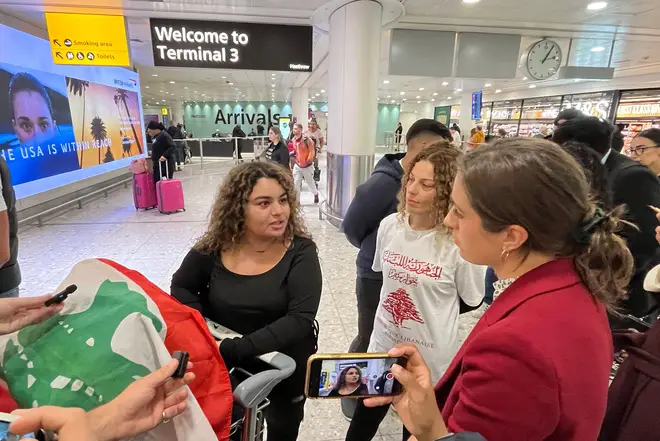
256,271
424,276
349,384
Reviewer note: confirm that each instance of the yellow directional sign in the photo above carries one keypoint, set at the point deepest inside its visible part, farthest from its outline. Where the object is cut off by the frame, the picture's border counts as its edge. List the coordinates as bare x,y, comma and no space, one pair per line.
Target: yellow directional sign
92,40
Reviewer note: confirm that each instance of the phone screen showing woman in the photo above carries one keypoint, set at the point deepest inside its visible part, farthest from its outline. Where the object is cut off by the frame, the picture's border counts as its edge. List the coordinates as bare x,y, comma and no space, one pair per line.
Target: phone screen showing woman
367,377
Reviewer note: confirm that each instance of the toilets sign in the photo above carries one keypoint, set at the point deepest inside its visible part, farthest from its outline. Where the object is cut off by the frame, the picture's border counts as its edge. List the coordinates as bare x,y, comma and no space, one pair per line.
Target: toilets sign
225,45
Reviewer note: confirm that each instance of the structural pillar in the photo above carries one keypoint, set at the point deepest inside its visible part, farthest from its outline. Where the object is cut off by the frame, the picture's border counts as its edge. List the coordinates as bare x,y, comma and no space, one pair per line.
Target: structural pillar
355,34
300,105
176,112
465,121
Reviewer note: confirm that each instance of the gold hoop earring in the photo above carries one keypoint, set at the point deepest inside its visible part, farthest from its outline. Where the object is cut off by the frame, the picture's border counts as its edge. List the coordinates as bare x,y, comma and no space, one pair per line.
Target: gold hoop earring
505,254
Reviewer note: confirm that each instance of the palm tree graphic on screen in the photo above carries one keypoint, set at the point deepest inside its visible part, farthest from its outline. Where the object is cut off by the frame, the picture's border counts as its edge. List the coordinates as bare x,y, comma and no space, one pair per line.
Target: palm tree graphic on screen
79,88
121,96
99,133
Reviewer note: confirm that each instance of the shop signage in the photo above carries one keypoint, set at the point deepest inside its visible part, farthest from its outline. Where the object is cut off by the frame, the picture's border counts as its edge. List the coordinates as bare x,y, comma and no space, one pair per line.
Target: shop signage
226,45
455,112
637,110
92,40
600,108
443,114
249,118
502,114
549,113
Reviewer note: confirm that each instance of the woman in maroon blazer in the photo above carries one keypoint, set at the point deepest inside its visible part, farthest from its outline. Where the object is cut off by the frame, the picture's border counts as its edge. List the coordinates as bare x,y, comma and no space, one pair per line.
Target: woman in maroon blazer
536,366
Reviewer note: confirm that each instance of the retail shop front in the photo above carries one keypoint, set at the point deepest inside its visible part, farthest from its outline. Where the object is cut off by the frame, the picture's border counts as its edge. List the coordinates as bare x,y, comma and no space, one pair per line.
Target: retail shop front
638,110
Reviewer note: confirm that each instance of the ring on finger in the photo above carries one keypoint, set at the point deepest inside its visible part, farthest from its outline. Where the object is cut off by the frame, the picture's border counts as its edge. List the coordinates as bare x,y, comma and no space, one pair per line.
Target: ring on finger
165,420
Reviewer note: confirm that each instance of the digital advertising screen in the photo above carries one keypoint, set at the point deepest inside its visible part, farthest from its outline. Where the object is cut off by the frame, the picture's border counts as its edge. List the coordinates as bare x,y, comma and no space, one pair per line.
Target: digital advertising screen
61,124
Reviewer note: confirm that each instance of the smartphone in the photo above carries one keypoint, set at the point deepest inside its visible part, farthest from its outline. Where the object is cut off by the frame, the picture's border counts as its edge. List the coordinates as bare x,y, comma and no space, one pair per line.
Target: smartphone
352,376
5,435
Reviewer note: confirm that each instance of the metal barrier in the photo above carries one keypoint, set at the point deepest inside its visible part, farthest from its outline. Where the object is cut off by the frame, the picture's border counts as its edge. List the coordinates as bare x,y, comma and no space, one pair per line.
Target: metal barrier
225,148
105,191
324,203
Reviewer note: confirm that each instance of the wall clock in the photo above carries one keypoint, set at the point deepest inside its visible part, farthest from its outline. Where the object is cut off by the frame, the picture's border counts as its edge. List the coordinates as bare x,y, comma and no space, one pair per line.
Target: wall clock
543,59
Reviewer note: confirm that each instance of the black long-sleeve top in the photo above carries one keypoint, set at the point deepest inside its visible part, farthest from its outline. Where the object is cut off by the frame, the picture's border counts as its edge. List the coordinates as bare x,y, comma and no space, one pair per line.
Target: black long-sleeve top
275,311
163,145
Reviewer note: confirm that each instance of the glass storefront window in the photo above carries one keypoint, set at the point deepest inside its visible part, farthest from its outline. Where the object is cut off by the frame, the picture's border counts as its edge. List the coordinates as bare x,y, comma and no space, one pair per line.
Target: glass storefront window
638,110
595,104
505,115
538,116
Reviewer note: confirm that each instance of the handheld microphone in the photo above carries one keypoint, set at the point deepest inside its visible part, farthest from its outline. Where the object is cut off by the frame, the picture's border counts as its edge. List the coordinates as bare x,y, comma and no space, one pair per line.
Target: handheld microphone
61,296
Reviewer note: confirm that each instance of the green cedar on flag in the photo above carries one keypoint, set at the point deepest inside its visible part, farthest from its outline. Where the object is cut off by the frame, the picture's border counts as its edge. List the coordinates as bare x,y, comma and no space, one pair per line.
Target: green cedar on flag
113,331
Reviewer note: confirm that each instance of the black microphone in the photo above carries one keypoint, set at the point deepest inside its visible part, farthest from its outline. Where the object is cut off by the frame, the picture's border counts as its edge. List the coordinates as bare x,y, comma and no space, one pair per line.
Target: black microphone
61,296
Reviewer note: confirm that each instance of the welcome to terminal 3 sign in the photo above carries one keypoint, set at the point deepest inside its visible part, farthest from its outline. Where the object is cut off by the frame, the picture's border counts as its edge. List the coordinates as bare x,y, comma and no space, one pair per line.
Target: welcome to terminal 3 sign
225,45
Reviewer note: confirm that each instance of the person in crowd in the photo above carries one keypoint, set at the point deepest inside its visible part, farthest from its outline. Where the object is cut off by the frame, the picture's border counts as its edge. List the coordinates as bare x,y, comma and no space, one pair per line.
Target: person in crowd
544,133
596,175
182,129
456,141
162,150
177,136
424,275
252,132
143,405
477,138
31,109
238,132
260,129
454,126
256,271
567,115
304,155
315,133
375,200
349,384
617,139
634,185
644,148
502,133
515,377
398,133
277,151
187,149
10,271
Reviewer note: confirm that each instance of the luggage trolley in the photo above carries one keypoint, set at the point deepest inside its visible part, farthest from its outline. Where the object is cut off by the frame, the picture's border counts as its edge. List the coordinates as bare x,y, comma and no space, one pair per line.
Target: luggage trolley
252,393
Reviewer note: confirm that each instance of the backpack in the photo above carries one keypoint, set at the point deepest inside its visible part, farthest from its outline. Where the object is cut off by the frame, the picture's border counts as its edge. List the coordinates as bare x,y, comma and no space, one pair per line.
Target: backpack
632,413
305,152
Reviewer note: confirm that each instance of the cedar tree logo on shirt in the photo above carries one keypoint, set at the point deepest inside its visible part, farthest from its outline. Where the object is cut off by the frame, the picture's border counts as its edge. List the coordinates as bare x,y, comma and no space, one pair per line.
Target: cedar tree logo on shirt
402,308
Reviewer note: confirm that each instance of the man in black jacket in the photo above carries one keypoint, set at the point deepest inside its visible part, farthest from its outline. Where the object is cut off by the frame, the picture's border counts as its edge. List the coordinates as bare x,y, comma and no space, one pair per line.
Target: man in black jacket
632,184
375,200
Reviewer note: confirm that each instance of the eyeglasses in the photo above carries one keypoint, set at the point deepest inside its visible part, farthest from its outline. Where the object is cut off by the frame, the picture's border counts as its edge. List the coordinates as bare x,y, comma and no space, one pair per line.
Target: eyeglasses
640,149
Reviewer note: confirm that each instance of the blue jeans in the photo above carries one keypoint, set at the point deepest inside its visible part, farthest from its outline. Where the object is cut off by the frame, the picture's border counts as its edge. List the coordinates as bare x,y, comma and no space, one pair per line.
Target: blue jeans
9,294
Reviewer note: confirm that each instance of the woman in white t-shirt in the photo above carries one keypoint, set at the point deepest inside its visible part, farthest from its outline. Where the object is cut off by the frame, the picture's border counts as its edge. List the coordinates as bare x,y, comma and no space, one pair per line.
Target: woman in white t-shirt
424,276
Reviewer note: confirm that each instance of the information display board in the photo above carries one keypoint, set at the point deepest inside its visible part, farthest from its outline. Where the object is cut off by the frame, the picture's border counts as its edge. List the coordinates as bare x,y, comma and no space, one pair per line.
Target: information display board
84,39
226,45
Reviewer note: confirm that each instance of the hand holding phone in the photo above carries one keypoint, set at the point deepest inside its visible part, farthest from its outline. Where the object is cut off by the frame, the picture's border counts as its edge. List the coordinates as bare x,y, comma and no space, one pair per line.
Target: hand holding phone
417,406
352,376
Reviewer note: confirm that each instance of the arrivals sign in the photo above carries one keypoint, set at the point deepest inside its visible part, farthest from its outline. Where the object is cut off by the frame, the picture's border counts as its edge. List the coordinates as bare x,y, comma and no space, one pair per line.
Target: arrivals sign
226,45
92,40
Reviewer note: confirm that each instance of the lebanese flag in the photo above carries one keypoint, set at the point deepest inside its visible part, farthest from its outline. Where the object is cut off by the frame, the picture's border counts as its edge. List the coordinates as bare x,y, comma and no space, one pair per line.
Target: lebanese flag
117,327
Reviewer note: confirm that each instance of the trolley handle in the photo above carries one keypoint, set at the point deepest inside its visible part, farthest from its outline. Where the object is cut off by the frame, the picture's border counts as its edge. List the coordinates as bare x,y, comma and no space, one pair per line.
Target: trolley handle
254,390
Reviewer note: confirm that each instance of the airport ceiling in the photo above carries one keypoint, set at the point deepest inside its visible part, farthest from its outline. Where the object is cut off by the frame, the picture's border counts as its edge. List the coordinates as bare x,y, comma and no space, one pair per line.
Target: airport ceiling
633,26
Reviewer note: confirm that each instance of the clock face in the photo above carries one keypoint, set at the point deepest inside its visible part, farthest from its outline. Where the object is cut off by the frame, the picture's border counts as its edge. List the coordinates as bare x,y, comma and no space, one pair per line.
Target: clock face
543,59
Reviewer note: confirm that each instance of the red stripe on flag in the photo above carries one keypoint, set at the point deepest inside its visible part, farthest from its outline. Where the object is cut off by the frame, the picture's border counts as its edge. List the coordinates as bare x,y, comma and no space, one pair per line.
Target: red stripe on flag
187,331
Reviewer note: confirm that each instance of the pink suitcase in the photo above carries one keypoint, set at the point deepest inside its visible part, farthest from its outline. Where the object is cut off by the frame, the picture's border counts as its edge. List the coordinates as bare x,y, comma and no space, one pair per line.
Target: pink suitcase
144,191
169,193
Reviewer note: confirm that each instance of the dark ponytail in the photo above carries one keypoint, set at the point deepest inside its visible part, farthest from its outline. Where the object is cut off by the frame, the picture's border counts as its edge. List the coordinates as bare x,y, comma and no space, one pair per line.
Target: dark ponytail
603,259
537,185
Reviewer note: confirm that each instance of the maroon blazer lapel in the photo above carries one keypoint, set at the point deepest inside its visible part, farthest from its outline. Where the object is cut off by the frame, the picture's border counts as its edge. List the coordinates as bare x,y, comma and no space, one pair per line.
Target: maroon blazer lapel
554,275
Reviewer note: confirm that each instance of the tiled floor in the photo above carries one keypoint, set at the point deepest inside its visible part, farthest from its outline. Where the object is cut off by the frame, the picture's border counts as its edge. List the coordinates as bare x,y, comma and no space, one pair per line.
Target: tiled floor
155,244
